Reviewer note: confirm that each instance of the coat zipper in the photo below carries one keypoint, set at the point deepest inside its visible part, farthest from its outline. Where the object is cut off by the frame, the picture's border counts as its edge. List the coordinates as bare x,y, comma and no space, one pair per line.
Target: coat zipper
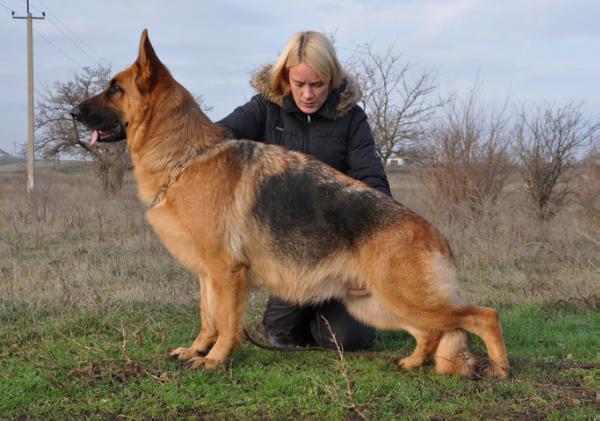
307,142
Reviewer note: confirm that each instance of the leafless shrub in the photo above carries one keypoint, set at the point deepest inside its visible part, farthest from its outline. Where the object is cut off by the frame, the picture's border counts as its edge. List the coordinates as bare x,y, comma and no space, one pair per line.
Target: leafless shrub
470,163
546,140
397,104
59,134
111,163
505,255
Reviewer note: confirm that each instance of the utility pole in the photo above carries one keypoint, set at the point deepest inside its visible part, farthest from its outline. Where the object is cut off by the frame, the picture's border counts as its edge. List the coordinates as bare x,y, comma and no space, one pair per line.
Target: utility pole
30,139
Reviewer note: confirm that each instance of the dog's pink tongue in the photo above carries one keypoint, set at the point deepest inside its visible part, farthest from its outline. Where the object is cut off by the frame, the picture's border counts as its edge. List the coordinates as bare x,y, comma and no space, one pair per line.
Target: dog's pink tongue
94,137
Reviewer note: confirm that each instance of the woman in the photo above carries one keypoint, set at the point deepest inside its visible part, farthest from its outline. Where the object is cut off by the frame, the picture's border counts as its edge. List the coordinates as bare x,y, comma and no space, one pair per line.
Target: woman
306,103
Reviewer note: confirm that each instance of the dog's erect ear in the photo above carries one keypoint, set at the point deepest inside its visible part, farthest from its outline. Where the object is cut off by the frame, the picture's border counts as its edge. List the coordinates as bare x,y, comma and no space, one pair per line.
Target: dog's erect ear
149,66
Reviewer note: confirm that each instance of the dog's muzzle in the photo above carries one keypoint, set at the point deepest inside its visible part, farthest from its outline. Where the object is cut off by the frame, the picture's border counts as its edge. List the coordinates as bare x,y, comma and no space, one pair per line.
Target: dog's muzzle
105,128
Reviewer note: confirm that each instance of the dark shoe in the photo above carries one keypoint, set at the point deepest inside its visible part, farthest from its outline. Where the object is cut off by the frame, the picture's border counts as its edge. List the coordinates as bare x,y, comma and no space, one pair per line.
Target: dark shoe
287,324
350,334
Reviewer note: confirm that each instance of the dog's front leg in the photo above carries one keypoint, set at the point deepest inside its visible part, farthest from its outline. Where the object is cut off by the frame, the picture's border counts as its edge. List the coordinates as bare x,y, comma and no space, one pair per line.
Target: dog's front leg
226,303
208,330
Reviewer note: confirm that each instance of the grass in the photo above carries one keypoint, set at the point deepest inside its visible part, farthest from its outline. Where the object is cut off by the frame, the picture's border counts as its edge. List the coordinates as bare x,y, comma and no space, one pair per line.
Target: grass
113,362
90,305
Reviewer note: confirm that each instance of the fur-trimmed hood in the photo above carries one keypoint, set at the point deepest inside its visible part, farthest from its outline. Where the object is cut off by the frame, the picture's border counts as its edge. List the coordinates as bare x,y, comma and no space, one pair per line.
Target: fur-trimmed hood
338,135
340,100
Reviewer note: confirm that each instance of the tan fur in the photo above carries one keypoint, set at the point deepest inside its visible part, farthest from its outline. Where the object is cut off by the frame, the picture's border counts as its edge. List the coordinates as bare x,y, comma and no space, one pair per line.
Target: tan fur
206,220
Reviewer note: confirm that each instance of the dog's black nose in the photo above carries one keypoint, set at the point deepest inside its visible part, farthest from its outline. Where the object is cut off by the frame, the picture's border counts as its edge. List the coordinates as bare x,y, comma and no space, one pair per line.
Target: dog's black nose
76,112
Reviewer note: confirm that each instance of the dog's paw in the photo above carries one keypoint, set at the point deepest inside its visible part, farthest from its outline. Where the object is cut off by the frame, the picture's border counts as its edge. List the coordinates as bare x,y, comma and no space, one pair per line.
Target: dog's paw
184,353
203,362
464,364
409,363
494,370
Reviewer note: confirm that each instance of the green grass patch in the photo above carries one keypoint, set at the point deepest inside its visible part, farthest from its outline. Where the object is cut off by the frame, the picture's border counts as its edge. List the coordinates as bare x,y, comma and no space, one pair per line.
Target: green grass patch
113,362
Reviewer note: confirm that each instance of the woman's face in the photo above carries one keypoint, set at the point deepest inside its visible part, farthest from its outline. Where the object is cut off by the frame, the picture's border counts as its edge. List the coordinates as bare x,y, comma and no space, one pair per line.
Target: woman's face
308,90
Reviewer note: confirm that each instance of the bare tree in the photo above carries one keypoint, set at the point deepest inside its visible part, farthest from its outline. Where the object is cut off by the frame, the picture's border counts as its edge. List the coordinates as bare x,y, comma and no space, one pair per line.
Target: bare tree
469,152
546,140
202,103
398,105
60,135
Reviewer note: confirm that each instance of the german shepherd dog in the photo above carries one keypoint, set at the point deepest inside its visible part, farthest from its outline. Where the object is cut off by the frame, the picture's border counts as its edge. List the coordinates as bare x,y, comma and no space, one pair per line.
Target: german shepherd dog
243,215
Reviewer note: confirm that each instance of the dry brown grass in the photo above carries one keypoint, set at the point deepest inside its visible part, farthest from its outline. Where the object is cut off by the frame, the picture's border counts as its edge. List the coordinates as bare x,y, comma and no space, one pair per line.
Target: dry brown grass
70,245
504,254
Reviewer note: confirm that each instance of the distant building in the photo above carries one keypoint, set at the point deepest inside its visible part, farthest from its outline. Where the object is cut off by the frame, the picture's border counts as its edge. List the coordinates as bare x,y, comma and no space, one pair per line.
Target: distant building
395,161
402,163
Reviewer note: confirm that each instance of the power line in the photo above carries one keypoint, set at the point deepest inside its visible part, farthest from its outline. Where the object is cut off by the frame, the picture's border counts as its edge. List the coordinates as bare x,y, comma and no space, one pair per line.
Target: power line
54,23
6,7
74,38
79,65
50,42
71,39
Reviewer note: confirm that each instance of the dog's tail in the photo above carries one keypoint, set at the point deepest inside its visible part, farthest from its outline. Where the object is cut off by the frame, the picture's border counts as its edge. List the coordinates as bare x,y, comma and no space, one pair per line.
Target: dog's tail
453,355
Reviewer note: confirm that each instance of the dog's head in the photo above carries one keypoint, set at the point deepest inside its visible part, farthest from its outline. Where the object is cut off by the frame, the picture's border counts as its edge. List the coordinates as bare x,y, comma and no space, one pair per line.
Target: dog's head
125,101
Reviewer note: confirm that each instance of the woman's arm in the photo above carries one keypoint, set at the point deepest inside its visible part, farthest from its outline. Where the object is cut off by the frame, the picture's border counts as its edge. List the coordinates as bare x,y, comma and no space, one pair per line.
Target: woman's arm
363,162
247,121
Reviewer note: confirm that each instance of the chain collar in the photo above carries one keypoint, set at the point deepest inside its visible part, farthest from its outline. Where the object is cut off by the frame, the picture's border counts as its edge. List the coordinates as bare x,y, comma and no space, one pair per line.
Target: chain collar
174,176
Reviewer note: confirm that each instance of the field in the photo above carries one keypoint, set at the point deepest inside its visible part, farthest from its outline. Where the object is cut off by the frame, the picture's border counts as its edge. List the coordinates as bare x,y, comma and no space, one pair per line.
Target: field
91,303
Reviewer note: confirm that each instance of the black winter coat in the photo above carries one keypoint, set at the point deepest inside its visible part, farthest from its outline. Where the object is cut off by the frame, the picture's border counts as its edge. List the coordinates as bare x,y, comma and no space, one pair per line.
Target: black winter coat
338,134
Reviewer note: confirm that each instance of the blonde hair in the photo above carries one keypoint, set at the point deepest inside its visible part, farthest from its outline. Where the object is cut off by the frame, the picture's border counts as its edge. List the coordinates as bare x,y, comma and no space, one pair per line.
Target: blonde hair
313,49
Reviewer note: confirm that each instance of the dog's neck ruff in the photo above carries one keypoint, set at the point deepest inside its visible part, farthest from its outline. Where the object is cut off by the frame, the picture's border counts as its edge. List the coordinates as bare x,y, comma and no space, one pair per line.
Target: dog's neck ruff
176,172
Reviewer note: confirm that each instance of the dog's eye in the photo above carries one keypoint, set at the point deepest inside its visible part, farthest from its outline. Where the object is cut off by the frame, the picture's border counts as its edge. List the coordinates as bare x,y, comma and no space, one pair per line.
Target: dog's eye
113,88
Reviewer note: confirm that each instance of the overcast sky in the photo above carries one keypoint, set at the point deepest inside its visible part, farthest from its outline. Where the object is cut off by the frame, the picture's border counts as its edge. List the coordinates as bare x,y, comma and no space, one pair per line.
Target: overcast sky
528,50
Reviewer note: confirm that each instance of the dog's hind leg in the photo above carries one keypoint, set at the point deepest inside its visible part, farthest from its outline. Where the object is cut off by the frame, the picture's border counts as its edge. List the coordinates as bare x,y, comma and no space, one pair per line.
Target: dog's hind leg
427,342
375,312
208,331
228,297
454,346
438,331
485,323
453,355
481,321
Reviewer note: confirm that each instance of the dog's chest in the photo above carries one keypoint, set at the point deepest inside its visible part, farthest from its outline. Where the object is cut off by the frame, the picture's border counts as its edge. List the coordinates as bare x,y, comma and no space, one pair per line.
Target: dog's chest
175,238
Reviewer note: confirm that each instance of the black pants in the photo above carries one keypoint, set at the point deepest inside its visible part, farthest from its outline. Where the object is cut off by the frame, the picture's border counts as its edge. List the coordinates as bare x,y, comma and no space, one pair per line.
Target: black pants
290,324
